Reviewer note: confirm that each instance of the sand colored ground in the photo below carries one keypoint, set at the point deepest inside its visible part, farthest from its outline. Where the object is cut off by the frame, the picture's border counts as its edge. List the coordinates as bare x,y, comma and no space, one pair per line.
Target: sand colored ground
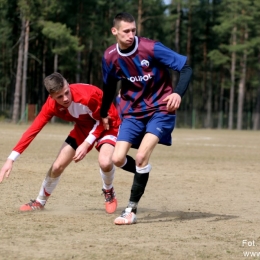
202,201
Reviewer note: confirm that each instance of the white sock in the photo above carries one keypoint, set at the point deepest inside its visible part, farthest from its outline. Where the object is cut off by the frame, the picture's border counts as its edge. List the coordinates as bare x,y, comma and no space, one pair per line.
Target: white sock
107,178
144,169
48,185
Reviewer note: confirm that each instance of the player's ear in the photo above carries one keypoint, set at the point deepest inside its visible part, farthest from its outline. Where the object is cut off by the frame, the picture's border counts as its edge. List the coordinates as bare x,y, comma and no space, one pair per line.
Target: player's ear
114,30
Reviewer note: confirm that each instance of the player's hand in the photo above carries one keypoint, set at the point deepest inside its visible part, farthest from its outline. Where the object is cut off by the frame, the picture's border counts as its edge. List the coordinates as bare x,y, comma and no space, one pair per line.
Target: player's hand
173,102
105,122
81,151
6,169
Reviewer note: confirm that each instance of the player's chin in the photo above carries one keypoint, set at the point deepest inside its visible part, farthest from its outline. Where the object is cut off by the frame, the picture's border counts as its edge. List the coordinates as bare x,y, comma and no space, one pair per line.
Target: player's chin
129,43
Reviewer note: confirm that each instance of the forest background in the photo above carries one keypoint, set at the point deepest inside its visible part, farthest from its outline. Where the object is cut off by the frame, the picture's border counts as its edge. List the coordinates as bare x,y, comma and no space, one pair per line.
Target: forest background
221,39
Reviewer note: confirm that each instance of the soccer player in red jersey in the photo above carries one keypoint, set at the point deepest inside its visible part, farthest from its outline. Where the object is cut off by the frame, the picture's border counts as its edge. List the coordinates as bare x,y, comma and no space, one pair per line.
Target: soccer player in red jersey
148,100
78,103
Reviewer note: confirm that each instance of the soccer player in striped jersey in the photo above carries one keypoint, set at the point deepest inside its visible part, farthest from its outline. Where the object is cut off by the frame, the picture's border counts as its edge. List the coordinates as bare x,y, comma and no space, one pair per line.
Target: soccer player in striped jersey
148,100
78,103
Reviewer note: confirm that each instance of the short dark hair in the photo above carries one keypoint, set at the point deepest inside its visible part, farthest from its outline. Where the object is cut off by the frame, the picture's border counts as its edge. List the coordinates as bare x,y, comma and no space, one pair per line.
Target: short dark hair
123,16
54,82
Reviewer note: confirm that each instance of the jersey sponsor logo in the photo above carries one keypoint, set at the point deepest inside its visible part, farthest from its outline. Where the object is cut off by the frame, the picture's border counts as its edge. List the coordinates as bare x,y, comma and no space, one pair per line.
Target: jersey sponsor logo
140,78
145,63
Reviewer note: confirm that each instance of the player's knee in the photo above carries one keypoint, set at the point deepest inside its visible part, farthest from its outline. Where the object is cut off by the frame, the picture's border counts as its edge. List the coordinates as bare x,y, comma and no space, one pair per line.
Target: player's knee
118,161
140,159
56,170
105,163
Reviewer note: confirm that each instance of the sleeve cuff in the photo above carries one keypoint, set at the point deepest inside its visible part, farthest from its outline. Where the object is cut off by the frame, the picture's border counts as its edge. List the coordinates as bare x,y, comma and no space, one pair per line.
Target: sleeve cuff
90,139
14,155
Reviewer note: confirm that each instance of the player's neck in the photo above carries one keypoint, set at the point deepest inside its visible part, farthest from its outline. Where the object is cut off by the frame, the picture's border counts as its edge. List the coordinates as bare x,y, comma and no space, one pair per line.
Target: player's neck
129,49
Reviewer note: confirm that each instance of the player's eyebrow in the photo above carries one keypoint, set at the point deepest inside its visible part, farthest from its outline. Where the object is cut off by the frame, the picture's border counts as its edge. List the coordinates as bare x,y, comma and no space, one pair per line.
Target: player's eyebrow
128,30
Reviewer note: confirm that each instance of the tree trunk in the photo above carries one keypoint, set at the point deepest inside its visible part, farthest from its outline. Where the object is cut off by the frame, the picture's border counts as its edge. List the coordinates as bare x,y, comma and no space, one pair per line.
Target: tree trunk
189,61
44,68
90,70
242,86
232,87
78,56
189,35
256,118
56,58
209,101
16,105
139,20
177,28
25,62
175,75
205,85
221,99
78,66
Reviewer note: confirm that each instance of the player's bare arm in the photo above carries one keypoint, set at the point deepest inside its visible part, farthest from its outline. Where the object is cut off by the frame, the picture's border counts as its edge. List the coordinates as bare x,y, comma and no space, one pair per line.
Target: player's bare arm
81,151
6,169
173,102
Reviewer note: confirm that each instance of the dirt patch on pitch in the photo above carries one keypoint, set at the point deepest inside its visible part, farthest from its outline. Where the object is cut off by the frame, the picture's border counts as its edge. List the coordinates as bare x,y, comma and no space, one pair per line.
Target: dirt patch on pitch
202,201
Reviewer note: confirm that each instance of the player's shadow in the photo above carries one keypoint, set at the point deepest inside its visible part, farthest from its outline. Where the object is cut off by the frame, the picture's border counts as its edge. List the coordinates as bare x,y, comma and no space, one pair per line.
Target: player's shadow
148,216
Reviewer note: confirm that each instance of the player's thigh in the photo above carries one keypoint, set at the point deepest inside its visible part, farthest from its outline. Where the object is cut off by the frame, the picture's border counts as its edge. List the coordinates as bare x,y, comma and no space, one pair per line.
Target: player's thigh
145,149
120,152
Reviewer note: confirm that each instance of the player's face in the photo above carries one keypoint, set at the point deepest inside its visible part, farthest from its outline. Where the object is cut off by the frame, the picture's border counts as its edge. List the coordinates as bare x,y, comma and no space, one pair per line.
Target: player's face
63,97
125,33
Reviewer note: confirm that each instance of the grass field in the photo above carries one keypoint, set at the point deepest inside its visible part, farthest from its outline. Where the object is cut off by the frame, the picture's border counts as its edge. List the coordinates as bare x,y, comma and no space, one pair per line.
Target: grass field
202,201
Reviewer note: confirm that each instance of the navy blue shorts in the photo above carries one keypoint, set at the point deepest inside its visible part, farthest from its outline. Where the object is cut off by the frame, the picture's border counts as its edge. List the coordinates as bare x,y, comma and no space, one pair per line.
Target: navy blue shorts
133,130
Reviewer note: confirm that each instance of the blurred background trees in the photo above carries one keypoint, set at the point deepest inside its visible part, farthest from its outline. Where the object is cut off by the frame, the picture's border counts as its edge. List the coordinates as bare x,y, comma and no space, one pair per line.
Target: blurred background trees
221,39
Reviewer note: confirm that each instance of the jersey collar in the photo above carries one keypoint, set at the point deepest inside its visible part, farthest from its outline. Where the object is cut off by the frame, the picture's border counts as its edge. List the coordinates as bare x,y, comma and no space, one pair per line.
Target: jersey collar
130,52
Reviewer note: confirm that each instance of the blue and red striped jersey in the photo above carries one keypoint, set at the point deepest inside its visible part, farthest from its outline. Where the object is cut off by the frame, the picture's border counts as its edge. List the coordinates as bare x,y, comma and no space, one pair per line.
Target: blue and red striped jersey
144,73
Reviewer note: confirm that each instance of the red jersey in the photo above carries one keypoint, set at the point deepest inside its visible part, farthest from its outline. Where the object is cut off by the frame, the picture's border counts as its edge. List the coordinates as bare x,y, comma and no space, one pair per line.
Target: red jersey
84,110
